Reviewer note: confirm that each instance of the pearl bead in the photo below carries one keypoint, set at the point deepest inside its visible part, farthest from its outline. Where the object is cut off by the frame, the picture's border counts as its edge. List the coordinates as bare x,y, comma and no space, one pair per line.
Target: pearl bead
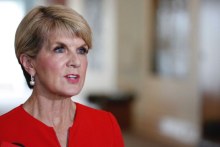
32,83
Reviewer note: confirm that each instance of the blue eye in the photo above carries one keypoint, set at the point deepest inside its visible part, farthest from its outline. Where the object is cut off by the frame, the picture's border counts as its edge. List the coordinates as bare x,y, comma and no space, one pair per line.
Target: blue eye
82,51
59,50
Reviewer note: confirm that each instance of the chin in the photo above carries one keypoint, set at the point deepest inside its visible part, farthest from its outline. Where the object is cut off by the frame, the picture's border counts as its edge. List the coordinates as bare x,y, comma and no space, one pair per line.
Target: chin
69,92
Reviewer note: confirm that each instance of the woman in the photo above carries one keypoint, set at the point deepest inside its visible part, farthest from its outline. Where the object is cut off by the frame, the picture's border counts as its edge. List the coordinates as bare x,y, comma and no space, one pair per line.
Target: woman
51,45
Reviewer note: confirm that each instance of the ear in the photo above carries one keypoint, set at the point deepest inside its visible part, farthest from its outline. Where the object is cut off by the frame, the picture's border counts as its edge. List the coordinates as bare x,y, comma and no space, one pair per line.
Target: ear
27,63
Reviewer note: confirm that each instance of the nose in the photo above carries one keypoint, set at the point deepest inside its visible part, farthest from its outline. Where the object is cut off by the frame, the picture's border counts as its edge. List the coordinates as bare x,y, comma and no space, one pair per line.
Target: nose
73,60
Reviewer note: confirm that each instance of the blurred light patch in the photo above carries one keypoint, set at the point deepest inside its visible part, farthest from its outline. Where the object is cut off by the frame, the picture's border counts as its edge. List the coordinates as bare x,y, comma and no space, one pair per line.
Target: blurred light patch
179,130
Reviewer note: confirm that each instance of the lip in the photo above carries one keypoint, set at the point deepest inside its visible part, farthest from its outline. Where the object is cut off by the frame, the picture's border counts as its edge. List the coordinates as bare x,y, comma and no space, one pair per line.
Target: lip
72,78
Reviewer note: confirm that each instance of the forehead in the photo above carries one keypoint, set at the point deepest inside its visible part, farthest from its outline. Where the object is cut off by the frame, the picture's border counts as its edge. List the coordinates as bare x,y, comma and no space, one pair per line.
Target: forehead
65,38
62,32
57,34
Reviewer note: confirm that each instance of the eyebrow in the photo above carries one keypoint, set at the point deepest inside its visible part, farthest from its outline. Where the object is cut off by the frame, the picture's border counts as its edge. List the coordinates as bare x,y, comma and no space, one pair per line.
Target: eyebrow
84,45
64,44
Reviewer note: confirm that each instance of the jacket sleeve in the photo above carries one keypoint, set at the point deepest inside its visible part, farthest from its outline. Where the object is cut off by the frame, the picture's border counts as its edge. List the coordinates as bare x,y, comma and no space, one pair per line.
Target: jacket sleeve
117,135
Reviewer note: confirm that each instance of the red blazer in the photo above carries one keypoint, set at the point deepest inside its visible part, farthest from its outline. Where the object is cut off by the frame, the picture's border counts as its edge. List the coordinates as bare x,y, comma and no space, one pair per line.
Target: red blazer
91,128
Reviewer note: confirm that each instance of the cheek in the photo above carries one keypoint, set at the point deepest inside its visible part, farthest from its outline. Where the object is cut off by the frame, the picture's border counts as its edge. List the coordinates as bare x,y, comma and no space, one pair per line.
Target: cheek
84,65
48,66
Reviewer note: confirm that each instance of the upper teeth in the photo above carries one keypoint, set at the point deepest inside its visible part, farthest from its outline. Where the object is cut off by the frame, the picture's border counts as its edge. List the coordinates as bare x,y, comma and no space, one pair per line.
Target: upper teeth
72,76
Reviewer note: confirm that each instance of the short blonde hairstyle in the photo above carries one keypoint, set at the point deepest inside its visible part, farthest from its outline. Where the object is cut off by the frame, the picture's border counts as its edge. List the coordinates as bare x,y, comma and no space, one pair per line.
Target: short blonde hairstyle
37,26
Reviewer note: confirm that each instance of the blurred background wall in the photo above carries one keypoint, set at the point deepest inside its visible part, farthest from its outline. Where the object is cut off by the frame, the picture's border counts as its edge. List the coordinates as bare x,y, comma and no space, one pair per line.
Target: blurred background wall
154,64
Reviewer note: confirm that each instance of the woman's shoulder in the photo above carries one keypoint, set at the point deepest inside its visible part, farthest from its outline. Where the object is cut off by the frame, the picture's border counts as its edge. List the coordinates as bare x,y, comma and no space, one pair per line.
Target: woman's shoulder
99,123
91,116
10,121
12,114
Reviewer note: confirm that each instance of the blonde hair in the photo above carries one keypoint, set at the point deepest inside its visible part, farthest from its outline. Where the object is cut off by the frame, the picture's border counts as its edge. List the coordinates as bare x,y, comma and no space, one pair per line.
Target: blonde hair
37,26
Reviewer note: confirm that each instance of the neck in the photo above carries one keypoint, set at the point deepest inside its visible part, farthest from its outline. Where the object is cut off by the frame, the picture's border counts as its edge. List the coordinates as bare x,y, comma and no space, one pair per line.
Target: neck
52,112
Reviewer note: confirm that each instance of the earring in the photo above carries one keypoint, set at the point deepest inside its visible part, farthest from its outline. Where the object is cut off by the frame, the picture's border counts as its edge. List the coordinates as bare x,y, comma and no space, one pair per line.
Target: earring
32,82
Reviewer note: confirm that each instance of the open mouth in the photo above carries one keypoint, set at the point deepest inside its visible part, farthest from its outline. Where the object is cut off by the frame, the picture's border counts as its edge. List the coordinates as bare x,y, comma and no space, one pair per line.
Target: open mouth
72,76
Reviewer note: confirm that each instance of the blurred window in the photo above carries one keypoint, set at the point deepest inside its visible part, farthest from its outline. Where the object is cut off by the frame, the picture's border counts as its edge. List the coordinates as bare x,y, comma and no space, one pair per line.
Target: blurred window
172,38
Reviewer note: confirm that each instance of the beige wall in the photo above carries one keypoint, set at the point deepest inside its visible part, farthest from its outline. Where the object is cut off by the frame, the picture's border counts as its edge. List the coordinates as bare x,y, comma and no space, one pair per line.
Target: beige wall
166,109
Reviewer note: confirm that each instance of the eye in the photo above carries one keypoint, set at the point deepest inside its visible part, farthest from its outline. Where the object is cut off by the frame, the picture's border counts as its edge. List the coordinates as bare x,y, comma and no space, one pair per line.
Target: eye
82,51
59,49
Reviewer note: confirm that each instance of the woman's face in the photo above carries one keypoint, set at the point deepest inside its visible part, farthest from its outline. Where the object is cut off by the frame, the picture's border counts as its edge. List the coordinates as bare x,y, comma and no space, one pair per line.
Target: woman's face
61,66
